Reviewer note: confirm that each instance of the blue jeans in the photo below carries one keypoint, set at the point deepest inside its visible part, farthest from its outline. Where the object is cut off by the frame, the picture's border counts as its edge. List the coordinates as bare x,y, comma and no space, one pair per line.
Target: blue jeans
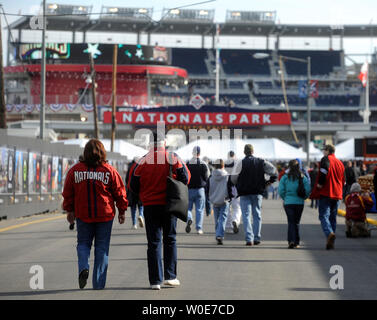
294,212
133,212
198,197
252,204
221,215
160,227
328,210
101,233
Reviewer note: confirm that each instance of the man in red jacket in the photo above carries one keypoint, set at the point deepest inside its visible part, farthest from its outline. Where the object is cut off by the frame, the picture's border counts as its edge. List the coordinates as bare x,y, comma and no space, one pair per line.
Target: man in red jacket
90,190
149,181
329,190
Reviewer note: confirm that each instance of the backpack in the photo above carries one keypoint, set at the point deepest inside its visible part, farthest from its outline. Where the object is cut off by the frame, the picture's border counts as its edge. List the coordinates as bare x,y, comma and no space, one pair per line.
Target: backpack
301,192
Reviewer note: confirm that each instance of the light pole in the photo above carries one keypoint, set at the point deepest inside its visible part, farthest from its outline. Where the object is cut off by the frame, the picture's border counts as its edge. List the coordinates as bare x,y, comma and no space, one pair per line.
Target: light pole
43,77
308,110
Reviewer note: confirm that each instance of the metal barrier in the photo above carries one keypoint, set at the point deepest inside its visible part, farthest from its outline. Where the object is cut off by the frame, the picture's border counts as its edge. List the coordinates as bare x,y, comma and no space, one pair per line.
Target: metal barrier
32,174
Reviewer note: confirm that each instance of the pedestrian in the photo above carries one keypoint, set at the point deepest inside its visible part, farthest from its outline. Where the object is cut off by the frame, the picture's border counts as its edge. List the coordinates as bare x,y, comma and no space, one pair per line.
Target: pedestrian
149,181
249,178
234,217
329,190
208,203
220,193
313,178
293,203
133,199
356,170
90,190
199,177
357,204
363,169
350,178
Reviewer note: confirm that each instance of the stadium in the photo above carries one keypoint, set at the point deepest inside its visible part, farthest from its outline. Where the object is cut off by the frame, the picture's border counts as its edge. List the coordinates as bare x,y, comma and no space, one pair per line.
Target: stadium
238,67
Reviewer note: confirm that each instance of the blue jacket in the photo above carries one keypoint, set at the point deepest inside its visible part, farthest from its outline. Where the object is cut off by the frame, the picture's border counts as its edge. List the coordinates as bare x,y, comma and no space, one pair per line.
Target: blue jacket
288,190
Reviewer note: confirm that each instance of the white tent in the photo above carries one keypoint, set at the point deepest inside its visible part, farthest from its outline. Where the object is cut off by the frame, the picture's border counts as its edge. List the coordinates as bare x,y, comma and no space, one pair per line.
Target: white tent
124,148
314,153
269,149
345,150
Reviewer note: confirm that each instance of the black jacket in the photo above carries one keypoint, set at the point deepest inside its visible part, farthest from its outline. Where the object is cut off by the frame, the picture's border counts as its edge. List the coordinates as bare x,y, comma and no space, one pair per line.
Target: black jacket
251,179
199,173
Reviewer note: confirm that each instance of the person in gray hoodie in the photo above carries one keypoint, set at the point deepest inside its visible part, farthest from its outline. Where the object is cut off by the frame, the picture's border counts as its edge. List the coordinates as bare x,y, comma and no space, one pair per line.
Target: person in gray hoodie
219,189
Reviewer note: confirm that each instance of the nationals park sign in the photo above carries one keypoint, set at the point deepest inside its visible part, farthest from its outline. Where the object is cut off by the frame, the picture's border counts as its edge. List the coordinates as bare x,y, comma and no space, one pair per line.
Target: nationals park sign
200,118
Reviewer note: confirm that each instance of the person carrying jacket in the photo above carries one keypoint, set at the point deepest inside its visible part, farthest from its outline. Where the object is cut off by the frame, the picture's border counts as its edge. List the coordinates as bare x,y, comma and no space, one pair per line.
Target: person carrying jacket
329,190
293,203
220,194
90,190
235,214
134,201
149,181
248,176
357,205
199,177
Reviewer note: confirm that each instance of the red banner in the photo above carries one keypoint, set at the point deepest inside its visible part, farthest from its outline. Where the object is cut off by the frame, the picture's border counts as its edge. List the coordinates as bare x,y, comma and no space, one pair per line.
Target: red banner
200,118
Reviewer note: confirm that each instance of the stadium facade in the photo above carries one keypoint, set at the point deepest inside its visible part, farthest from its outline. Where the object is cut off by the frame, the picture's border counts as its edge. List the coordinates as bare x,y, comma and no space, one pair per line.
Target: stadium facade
207,82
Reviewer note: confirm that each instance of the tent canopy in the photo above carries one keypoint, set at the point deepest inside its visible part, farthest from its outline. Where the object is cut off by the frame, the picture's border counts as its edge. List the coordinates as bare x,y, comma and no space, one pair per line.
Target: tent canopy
345,150
269,149
124,148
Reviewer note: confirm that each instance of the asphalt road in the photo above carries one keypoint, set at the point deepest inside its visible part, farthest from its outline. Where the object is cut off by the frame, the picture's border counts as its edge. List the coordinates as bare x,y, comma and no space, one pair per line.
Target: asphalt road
206,271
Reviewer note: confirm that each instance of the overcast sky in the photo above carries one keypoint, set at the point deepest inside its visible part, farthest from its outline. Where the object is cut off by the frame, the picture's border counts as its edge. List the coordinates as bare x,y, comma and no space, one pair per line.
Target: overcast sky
334,12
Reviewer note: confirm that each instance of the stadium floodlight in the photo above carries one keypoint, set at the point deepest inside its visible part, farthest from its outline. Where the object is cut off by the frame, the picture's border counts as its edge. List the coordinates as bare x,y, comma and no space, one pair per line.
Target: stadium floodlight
66,9
251,16
126,13
53,6
192,15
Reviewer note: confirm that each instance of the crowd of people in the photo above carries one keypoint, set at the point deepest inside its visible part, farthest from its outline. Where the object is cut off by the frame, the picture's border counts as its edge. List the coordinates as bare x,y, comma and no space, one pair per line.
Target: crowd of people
231,189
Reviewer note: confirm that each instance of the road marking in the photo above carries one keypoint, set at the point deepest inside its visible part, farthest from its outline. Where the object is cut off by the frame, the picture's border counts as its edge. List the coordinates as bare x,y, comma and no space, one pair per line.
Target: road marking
32,222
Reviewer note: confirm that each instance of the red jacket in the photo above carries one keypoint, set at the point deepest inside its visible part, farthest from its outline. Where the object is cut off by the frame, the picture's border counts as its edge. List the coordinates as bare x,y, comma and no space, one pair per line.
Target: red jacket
356,206
331,177
90,192
149,176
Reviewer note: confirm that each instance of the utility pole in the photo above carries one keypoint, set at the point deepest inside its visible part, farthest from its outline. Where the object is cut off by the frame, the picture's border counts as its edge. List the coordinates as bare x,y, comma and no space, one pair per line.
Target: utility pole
93,77
308,116
43,76
113,123
3,116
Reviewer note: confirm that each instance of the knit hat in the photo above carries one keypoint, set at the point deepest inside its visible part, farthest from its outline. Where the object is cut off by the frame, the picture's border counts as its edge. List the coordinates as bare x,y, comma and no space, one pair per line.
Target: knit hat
355,188
196,151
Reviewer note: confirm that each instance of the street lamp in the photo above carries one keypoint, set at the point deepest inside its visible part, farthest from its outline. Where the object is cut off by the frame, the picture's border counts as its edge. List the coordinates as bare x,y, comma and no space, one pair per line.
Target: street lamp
261,55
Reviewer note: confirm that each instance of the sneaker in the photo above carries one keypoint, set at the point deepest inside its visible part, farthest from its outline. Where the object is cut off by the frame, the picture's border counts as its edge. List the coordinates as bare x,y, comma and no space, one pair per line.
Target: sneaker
172,282
249,243
155,287
200,231
235,227
219,240
188,226
83,277
291,245
330,241
134,227
141,222
256,242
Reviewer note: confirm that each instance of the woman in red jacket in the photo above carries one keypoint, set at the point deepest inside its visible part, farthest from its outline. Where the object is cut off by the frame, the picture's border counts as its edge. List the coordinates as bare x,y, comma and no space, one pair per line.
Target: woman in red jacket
90,190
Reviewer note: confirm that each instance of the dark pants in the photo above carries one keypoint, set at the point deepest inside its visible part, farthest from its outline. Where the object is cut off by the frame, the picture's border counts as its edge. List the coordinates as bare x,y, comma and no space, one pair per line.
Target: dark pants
314,203
294,212
160,227
101,233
